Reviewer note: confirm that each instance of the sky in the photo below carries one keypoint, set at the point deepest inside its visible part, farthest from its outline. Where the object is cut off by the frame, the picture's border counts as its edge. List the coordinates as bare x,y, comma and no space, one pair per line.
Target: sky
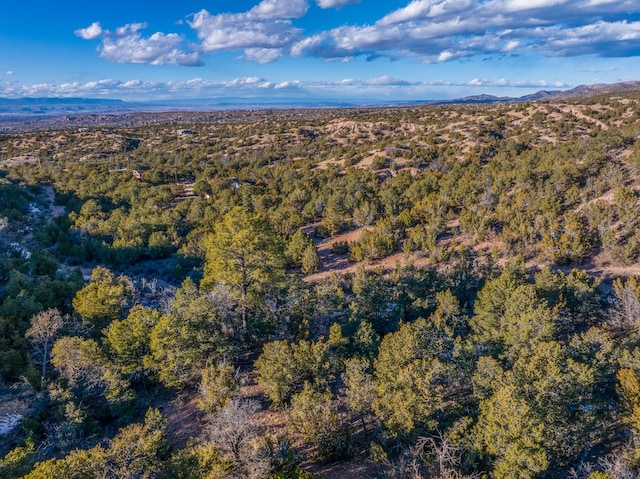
340,50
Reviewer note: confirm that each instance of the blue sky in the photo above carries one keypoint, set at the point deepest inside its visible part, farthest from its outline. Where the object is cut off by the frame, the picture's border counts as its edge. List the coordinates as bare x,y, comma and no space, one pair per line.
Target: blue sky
314,49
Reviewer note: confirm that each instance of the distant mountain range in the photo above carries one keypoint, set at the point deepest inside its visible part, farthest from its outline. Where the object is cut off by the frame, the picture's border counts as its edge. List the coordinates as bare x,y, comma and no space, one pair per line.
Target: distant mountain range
579,91
43,113
48,106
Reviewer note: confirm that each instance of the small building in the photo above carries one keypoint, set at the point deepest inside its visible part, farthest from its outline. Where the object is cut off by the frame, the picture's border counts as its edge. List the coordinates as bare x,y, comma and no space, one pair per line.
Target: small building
185,132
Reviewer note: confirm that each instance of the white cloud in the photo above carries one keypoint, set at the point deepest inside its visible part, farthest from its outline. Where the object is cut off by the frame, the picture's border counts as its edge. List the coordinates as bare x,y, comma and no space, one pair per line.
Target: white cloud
518,5
126,30
237,32
387,80
263,55
431,30
127,45
287,84
618,37
511,45
446,30
278,9
245,81
416,9
380,87
92,31
158,49
447,55
265,32
9,73
335,3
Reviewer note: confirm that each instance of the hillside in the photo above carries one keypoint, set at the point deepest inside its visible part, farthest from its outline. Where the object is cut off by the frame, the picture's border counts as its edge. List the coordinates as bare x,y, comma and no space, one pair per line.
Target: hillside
420,291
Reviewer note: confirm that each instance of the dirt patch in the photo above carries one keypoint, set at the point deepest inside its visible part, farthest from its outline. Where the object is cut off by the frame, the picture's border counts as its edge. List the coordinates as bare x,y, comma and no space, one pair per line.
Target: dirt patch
184,420
19,160
55,210
16,401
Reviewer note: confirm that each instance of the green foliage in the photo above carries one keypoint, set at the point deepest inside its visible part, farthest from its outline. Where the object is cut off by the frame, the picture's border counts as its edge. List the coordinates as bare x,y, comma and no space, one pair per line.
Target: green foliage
512,436
493,299
104,299
510,317
376,243
407,374
137,450
310,260
284,367
314,416
218,386
276,371
629,388
366,341
296,247
203,461
129,340
17,462
245,255
599,475
359,389
541,410
520,373
566,241
182,341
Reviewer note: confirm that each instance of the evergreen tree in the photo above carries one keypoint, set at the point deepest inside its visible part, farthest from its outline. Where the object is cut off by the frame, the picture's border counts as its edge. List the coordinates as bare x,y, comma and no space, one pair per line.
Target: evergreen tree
310,260
104,299
245,255
183,341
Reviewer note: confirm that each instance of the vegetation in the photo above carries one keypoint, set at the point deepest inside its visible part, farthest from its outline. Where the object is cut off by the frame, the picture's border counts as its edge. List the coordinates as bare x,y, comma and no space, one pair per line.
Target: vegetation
412,292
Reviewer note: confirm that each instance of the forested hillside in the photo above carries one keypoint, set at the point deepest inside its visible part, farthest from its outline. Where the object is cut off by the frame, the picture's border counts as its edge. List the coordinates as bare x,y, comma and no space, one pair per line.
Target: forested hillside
424,292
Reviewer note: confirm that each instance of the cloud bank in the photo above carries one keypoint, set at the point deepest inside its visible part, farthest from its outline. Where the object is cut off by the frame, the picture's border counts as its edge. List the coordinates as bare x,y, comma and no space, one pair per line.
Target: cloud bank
446,30
199,88
429,30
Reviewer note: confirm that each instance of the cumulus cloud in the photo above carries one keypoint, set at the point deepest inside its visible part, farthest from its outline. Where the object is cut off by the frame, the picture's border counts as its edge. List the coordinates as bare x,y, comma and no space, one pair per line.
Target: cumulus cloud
619,38
265,32
431,30
278,9
288,85
127,45
263,55
9,73
92,31
245,81
446,30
